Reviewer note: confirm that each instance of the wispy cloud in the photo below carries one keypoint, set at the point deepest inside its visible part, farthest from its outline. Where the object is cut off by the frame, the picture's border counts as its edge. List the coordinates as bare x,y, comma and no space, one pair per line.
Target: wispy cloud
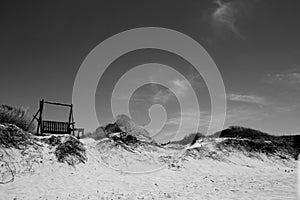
177,88
180,87
196,80
162,96
291,79
246,98
226,15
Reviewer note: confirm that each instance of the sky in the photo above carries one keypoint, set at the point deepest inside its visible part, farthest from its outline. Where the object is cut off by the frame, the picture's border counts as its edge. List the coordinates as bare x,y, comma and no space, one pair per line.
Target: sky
254,43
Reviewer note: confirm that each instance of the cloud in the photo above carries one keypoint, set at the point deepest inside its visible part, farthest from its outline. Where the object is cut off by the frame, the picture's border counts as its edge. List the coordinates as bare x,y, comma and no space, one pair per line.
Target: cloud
162,96
291,79
196,80
180,87
246,98
226,15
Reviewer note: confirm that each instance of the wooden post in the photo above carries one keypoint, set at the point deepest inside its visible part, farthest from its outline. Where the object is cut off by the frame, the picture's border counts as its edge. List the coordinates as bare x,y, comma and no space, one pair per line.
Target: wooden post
40,129
34,117
38,124
69,122
72,120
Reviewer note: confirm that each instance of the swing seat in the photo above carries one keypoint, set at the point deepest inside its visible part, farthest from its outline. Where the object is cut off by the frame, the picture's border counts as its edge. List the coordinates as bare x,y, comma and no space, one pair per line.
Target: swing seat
56,127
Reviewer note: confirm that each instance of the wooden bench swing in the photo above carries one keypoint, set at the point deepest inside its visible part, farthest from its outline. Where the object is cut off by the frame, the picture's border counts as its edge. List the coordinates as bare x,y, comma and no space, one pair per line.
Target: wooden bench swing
56,127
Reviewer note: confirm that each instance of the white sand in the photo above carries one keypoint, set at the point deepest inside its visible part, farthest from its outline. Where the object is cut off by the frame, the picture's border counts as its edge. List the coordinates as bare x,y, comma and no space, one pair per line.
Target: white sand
239,177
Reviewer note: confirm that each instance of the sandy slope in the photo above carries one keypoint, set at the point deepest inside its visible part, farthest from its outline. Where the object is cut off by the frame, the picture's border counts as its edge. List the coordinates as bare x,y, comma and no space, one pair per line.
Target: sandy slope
236,177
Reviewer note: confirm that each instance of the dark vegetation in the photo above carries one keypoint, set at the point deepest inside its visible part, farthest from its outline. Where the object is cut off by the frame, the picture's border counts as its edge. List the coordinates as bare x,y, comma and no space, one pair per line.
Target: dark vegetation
260,141
250,140
122,130
52,140
71,151
249,146
12,136
125,138
15,124
14,133
16,116
112,128
242,132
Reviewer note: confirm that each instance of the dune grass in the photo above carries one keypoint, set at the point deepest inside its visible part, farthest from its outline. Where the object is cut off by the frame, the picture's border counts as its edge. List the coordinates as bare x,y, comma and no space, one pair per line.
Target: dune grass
16,116
71,151
12,136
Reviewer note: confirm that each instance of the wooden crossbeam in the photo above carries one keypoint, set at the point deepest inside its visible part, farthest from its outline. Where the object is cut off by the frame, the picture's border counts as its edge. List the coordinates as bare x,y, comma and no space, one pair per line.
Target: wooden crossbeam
58,104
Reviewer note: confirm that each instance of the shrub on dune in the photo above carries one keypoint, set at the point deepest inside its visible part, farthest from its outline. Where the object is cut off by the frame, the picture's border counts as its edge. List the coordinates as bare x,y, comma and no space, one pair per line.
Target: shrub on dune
12,136
16,116
71,151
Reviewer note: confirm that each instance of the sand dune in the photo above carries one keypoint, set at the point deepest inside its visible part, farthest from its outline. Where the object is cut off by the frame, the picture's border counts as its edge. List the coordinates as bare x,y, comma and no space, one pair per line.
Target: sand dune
179,173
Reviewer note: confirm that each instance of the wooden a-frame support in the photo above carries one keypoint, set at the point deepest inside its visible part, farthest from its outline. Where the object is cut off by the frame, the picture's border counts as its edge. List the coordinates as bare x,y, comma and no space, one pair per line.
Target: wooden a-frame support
39,117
